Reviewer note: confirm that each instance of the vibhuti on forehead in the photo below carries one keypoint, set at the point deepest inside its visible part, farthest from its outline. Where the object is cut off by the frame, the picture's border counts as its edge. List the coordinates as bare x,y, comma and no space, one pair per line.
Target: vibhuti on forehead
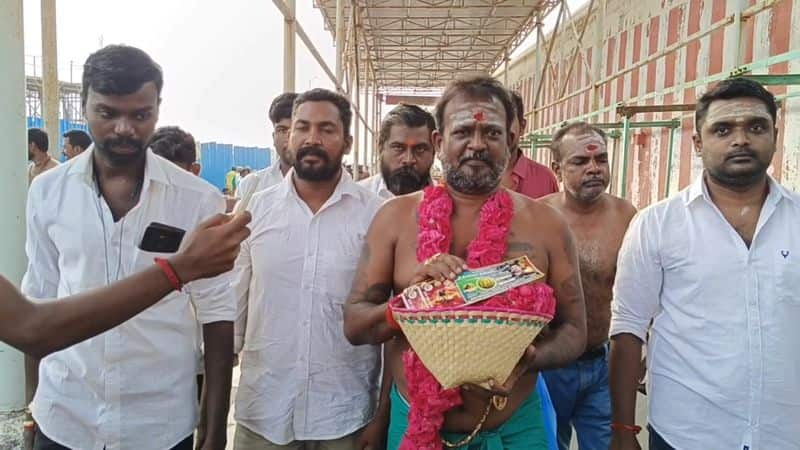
590,141
734,111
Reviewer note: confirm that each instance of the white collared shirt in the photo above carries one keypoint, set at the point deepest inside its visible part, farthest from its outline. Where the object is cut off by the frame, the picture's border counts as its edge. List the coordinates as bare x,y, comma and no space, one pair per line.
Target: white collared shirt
723,355
260,180
134,386
301,379
377,186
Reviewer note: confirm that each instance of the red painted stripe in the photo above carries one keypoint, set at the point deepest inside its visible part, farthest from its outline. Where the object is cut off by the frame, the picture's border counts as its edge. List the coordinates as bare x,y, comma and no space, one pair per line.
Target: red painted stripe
610,47
717,39
673,29
587,96
687,144
652,48
693,49
779,37
636,57
623,47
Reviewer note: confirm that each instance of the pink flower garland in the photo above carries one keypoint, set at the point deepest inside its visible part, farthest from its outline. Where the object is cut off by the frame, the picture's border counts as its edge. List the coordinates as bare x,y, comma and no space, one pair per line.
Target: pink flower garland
428,401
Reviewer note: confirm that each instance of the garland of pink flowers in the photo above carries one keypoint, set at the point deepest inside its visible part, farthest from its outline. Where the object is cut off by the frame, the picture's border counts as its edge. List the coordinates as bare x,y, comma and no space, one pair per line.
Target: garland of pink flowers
428,401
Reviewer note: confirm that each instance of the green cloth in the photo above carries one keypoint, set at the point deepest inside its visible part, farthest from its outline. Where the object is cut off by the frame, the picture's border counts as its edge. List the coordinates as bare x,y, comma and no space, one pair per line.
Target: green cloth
523,431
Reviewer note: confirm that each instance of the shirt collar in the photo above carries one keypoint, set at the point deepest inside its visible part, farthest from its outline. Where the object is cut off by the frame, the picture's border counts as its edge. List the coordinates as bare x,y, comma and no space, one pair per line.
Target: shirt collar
82,166
699,189
521,166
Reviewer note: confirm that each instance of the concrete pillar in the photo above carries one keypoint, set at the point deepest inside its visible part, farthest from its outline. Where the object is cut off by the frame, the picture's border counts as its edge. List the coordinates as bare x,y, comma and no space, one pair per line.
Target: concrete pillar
13,187
340,42
50,94
289,47
734,55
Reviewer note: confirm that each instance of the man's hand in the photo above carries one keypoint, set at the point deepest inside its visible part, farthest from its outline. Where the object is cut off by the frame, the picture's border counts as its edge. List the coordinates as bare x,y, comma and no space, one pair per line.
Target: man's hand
524,366
439,267
624,441
373,436
212,248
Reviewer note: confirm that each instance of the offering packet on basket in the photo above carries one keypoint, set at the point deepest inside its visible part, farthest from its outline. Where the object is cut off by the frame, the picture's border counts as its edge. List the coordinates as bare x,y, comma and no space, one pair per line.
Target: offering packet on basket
472,286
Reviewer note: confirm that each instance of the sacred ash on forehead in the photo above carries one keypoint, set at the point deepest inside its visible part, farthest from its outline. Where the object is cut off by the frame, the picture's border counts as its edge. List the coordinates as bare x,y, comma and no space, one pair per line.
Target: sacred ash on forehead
734,111
591,142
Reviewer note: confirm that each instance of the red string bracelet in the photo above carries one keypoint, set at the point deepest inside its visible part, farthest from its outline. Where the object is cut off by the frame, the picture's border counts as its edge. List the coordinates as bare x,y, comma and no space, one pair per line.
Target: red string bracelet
635,429
166,267
390,318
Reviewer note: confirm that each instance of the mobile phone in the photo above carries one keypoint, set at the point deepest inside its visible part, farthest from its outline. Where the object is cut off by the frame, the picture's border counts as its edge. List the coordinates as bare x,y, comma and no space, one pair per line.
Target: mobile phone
160,238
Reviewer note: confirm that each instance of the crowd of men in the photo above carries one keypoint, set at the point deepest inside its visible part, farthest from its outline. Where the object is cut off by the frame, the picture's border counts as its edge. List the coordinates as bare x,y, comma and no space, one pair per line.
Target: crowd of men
706,279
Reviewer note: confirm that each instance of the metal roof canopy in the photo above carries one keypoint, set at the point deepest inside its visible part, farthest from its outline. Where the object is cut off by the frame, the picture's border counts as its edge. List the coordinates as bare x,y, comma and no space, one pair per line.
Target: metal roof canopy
415,46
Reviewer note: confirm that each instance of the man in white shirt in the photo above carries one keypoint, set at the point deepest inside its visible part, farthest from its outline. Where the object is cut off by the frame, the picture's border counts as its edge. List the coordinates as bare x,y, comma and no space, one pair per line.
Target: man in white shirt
715,268
280,114
406,152
303,386
40,160
134,385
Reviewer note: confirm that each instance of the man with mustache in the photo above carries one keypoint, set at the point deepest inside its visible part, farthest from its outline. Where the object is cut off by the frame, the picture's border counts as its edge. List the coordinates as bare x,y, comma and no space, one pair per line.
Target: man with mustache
598,220
280,114
472,140
715,268
37,153
133,386
303,386
406,152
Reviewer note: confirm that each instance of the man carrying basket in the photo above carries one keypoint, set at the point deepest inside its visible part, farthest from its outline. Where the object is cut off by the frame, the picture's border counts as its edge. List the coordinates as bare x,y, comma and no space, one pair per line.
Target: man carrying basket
469,222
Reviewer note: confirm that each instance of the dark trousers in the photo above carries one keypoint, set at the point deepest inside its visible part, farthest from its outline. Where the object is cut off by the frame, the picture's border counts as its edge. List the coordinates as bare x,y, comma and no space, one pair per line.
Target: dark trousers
42,442
656,441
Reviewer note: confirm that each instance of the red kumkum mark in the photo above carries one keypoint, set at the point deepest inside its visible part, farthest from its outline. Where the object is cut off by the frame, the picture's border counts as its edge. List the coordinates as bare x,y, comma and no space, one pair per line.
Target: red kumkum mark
479,116
410,143
591,147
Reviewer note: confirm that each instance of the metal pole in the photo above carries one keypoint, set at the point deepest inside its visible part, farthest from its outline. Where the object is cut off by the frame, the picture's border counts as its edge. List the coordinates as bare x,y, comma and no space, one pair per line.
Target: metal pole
669,161
340,42
356,100
366,112
14,182
626,141
289,47
733,55
50,92
505,70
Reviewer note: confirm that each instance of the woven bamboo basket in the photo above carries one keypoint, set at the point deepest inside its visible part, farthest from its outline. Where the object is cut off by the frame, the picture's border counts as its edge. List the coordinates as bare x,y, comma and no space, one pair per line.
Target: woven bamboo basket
469,345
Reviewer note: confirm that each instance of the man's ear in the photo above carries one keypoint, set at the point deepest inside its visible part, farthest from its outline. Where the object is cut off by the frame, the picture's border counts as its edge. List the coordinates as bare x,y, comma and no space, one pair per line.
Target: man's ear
556,167
348,144
698,144
436,139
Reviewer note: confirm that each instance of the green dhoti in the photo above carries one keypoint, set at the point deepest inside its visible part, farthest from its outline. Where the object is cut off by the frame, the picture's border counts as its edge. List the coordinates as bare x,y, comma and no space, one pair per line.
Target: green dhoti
525,430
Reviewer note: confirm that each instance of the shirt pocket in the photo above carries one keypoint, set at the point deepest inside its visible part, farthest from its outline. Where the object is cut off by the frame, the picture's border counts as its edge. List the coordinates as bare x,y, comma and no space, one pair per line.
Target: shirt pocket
787,276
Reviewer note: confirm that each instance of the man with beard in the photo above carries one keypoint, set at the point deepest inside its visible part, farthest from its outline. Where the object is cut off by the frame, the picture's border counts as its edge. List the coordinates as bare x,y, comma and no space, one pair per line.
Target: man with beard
598,220
75,143
134,385
37,154
472,140
716,269
280,114
303,386
406,152
523,174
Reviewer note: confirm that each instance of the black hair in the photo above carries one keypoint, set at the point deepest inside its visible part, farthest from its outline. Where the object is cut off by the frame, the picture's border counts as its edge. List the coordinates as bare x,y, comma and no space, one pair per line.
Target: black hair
411,116
480,87
519,105
281,107
119,70
324,95
730,89
38,137
174,144
578,127
78,138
